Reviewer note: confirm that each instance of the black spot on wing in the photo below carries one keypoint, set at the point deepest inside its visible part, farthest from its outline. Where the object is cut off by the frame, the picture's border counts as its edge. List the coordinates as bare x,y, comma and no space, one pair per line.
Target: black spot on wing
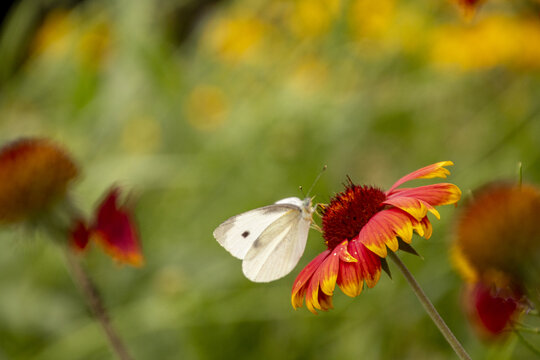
245,234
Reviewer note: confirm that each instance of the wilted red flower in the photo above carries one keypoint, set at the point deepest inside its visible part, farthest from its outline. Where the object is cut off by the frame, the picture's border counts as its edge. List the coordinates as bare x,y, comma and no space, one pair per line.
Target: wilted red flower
115,229
497,247
35,174
359,224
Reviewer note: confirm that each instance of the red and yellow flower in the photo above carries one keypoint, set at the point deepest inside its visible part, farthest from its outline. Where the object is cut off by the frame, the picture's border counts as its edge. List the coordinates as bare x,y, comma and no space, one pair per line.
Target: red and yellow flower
114,229
359,225
35,177
497,251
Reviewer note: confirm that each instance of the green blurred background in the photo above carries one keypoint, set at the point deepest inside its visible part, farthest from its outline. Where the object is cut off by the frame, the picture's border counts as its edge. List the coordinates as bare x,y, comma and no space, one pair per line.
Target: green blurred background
206,109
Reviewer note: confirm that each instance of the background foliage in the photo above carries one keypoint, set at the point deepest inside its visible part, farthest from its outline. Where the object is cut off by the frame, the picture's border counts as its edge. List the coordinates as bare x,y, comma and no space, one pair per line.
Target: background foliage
209,111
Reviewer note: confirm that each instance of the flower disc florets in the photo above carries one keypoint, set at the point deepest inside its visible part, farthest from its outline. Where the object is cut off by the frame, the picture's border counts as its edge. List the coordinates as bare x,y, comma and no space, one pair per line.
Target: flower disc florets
349,211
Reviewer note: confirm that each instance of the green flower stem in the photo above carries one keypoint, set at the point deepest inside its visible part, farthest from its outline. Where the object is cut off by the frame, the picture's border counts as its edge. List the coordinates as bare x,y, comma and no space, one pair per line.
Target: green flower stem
95,303
430,309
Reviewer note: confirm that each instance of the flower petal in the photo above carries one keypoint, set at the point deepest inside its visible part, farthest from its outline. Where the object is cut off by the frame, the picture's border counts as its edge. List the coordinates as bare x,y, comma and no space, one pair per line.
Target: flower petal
79,235
350,279
492,312
428,172
115,230
320,288
328,271
434,195
382,229
432,210
463,265
325,302
370,263
312,294
425,226
410,205
301,282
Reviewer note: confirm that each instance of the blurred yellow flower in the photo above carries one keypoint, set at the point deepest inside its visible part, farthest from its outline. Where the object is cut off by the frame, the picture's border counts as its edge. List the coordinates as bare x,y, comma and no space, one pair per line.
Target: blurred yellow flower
206,107
492,41
52,38
528,46
65,34
94,43
234,38
371,19
313,18
410,28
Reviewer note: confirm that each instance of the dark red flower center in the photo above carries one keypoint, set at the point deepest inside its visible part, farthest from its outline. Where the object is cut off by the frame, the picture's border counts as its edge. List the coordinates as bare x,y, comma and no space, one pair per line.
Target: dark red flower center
349,211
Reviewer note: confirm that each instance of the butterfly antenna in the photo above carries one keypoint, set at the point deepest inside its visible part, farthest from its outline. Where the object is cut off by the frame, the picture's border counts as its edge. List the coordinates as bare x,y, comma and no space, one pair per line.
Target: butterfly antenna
316,179
302,190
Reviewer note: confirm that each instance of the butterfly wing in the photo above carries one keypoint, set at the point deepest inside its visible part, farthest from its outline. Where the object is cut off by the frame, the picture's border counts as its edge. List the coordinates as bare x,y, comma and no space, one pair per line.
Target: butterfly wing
278,249
238,233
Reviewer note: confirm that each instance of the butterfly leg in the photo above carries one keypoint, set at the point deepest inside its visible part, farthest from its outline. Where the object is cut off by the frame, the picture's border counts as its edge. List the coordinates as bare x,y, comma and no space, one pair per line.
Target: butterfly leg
316,210
316,227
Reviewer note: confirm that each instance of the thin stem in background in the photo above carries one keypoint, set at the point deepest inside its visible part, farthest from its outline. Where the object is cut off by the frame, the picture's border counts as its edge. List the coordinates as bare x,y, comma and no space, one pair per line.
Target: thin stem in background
95,303
526,343
527,329
430,309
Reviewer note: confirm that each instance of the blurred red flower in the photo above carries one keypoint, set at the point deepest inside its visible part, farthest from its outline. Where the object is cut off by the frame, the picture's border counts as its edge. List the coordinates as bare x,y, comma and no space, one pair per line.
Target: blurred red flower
497,251
115,229
35,175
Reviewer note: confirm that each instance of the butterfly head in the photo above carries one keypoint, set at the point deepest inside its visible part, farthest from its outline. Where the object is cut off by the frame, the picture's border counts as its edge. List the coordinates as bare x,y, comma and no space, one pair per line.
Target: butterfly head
307,207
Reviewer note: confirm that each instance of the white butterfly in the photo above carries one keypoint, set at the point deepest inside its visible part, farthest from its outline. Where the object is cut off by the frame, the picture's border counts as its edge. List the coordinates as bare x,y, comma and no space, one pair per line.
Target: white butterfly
270,240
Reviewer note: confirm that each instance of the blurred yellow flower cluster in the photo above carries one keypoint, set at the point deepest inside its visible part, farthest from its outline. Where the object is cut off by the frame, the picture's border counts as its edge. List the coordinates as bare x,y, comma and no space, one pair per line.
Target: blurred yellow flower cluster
235,38
68,34
492,41
311,19
371,19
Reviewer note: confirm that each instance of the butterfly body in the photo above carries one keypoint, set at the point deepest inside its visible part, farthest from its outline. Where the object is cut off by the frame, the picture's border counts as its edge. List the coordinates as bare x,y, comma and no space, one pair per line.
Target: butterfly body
269,240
